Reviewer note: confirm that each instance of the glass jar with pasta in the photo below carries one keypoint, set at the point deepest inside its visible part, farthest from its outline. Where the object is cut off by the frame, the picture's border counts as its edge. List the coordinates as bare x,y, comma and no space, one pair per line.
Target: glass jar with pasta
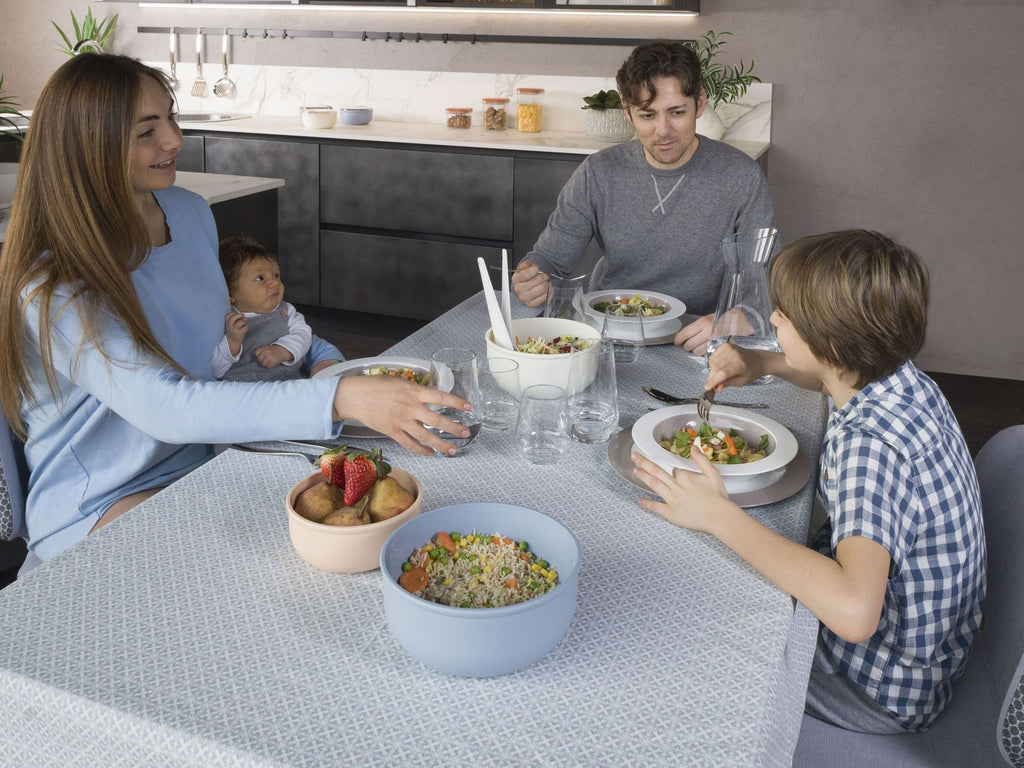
530,109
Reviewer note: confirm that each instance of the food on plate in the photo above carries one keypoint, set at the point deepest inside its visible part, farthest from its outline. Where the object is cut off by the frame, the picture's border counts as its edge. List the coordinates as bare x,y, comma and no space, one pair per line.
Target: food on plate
635,304
538,345
319,501
416,377
719,445
388,498
476,571
359,490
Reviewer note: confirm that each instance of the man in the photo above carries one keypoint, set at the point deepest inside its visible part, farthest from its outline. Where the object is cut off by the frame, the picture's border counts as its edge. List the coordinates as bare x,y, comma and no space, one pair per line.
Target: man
659,205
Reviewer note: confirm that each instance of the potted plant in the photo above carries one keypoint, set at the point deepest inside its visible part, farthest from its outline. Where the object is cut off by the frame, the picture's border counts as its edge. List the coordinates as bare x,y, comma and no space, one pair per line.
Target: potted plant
605,120
91,35
9,111
723,83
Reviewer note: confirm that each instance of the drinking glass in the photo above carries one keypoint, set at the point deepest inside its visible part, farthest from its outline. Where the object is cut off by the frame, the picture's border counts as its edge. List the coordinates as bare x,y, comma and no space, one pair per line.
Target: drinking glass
592,399
540,430
460,365
624,327
565,298
498,378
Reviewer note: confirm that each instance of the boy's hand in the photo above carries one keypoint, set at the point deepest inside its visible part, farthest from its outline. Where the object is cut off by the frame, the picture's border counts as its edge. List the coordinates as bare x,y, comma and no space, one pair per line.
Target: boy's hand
235,327
691,500
732,366
530,284
272,355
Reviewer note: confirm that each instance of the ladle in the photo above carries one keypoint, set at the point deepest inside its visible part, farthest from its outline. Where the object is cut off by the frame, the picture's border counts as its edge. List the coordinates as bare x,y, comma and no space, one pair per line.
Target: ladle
225,87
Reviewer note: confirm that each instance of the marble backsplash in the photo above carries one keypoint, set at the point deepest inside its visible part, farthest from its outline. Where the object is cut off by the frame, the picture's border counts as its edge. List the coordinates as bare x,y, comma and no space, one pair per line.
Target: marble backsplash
421,97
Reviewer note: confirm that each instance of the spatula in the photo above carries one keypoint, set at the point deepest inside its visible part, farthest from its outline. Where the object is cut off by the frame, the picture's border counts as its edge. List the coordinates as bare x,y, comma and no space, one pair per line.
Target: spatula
199,87
502,337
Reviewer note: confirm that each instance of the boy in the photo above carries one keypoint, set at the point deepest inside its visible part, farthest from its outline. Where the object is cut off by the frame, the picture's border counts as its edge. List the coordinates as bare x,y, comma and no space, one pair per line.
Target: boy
897,573
265,339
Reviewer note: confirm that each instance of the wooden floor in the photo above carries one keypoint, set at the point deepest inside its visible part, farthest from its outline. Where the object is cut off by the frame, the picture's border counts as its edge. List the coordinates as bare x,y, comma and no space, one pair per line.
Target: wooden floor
983,406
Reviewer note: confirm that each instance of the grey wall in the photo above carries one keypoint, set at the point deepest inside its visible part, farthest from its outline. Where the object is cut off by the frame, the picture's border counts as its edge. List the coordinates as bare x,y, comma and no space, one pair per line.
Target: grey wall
898,116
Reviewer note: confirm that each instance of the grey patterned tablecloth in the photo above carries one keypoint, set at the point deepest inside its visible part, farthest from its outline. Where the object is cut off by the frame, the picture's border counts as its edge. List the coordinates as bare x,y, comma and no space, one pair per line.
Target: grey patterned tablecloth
190,633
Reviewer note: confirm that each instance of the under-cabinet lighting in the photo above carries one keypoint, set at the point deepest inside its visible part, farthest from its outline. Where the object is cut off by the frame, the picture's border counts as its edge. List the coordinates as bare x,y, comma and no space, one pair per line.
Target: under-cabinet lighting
652,12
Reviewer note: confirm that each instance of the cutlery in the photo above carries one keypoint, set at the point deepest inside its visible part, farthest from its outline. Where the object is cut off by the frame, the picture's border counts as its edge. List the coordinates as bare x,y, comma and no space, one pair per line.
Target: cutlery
704,404
199,84
225,87
174,60
506,306
502,337
311,458
657,394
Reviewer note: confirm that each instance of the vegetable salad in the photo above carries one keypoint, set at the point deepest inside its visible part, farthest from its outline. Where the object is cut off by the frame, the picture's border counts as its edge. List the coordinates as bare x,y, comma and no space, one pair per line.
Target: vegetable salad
633,306
538,345
719,445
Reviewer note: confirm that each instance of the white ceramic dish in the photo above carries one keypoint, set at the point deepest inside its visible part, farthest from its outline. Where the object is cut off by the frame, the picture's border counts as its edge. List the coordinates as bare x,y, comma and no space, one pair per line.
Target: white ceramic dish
319,117
654,327
739,478
359,367
534,368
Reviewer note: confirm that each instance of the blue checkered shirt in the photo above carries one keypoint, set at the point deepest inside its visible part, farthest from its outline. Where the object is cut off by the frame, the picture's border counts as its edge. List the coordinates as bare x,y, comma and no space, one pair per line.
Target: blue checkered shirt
895,469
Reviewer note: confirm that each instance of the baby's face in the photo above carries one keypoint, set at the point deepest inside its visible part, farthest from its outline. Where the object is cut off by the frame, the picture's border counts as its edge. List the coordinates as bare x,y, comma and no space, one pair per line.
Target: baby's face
258,287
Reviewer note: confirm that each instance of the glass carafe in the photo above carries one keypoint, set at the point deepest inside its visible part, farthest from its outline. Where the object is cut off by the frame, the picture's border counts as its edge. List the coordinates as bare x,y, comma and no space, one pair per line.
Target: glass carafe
745,303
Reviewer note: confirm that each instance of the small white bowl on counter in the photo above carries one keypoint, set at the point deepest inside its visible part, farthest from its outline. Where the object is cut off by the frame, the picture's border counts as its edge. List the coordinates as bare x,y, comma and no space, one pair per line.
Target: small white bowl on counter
319,118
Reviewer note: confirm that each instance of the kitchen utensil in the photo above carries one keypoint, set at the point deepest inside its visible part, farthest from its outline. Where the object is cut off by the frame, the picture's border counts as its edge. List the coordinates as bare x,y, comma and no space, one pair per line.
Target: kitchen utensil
310,457
225,87
506,304
199,87
175,83
705,401
500,329
665,397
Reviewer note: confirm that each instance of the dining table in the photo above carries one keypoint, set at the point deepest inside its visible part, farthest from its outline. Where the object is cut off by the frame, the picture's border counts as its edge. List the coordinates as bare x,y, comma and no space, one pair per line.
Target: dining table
190,633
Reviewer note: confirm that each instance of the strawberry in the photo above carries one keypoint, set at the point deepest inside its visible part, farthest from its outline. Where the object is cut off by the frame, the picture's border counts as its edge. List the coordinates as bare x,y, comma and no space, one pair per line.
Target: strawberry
332,464
362,470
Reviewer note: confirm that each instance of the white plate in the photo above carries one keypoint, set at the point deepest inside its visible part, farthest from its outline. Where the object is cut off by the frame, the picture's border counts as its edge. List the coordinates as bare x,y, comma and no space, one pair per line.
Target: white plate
358,367
657,327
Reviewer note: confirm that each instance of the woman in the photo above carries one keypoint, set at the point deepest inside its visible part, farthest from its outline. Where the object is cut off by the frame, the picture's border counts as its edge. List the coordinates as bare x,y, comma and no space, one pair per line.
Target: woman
113,300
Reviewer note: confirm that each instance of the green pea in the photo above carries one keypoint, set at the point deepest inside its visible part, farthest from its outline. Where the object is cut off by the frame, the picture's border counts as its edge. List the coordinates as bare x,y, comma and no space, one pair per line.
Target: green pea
455,535
505,570
464,605
434,554
532,585
475,569
523,546
542,563
406,566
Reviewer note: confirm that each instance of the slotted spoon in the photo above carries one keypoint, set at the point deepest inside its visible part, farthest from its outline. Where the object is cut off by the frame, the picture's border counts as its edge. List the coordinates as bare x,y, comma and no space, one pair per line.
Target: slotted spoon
225,87
199,87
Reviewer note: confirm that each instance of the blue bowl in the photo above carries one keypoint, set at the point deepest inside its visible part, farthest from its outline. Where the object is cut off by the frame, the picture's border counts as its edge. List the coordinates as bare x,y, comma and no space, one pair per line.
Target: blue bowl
481,642
356,115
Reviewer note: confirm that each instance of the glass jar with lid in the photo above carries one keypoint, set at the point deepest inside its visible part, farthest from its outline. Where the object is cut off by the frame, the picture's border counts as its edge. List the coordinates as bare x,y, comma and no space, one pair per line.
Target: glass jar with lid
495,114
459,117
529,109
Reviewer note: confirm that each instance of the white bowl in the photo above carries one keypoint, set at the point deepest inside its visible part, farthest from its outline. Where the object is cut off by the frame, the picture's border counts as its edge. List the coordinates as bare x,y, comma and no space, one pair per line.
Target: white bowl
481,642
656,326
319,117
739,478
534,368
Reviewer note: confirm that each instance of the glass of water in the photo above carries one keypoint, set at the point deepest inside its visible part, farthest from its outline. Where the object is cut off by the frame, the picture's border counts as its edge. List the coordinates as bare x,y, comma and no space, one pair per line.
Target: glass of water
457,365
541,435
592,399
624,327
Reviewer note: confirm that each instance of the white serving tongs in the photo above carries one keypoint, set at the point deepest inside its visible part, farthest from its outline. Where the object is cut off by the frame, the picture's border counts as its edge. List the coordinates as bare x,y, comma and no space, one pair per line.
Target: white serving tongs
499,326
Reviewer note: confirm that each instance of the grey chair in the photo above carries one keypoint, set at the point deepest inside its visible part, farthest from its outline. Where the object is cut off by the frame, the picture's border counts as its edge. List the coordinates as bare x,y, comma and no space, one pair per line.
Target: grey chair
983,724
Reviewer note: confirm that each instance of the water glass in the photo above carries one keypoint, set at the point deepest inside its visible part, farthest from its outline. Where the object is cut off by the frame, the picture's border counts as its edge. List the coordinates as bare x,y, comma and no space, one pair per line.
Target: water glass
624,327
540,430
565,298
498,378
592,399
458,366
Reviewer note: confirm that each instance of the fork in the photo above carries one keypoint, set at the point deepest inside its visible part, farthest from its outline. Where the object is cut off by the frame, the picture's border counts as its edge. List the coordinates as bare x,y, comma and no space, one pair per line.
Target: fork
199,85
707,399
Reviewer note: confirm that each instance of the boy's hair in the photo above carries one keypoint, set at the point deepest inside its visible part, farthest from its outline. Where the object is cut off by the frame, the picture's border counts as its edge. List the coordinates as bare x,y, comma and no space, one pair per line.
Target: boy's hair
239,250
856,298
657,58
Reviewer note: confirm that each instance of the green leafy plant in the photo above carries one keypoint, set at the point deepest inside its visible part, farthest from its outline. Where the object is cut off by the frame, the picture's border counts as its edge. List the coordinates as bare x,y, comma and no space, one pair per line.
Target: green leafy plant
91,29
603,100
8,111
722,82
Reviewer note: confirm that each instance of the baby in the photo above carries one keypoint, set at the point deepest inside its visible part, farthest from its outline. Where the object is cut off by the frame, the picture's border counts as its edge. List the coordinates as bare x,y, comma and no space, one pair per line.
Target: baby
265,339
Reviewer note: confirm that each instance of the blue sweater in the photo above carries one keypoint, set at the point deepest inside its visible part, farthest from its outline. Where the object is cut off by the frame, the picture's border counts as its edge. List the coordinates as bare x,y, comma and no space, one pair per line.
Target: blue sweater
127,424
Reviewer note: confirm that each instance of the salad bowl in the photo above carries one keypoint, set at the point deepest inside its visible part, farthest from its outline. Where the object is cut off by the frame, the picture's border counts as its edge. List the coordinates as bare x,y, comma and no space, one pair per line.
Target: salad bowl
655,326
537,367
663,423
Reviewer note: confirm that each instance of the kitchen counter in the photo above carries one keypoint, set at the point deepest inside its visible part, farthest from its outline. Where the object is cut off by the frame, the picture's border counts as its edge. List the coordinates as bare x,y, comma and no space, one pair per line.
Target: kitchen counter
562,142
213,187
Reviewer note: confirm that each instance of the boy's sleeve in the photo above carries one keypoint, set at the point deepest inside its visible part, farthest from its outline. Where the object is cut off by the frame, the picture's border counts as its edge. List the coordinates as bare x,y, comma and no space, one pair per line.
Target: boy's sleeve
298,338
221,359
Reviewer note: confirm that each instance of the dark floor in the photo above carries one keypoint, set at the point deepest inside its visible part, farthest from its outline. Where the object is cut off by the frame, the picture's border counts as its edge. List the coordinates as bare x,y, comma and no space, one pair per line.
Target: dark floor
983,406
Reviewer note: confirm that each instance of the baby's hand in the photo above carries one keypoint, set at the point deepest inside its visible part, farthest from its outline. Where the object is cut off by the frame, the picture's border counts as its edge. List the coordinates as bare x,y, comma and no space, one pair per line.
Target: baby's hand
235,327
272,355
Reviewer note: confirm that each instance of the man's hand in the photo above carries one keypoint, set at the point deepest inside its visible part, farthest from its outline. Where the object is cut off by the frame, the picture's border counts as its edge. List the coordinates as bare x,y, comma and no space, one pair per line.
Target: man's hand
695,336
530,284
272,355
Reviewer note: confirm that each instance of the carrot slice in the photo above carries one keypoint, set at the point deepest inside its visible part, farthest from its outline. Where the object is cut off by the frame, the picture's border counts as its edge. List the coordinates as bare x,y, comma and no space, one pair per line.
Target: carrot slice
413,580
445,541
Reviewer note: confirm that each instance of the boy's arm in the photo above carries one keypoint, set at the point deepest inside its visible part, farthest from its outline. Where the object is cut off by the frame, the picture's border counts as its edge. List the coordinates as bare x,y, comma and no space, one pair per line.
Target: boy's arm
732,366
845,594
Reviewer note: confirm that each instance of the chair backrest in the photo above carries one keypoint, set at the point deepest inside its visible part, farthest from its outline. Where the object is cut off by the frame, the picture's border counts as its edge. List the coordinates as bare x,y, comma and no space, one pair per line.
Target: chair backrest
1001,478
13,479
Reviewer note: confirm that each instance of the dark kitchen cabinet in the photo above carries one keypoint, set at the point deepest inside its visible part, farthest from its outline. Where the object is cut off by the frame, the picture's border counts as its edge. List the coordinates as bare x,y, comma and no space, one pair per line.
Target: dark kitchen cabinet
298,210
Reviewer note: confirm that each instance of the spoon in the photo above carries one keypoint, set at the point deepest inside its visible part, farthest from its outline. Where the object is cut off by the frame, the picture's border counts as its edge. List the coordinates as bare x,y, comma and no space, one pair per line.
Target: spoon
175,83
225,87
657,394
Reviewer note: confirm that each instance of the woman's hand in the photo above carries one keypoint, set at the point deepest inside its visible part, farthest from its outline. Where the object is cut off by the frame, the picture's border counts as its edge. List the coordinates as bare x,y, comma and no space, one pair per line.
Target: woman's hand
398,408
530,284
691,500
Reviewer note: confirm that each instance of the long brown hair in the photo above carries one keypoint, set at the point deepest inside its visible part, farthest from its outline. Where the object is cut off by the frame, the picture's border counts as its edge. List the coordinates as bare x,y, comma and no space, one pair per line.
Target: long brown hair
75,221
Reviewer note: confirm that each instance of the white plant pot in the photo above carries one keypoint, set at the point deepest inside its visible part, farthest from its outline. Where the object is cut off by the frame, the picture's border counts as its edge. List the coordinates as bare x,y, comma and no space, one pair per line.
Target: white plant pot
710,124
607,125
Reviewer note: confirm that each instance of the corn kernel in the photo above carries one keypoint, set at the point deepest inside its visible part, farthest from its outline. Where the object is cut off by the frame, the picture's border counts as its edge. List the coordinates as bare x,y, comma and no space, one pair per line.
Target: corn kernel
448,581
552,576
487,569
534,567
